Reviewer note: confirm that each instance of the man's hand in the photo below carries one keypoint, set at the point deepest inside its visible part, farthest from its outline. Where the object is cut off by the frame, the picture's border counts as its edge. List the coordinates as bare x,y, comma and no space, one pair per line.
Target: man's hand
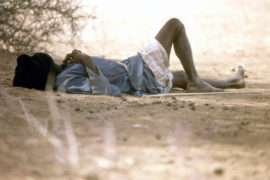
78,57
75,57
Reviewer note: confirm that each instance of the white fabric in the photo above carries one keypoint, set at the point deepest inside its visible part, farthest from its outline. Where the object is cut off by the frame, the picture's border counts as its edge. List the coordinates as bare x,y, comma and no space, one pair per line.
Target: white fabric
156,58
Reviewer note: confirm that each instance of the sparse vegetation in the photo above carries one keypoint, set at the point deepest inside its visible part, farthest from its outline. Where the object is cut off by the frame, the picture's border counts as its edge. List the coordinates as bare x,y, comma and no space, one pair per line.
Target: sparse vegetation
30,25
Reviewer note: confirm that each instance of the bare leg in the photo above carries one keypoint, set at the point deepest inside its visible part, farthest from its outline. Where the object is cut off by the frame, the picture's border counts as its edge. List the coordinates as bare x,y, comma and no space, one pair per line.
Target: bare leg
237,81
173,33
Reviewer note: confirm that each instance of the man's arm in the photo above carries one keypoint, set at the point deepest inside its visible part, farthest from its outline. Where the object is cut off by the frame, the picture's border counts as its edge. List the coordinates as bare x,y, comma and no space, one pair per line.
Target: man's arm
87,61
78,57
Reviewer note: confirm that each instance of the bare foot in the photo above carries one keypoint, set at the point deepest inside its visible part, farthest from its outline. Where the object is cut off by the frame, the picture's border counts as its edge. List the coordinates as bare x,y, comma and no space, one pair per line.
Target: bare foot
201,86
238,80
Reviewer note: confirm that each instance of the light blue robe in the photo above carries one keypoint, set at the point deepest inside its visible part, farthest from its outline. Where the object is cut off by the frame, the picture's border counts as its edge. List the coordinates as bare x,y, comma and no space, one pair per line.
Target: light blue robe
130,76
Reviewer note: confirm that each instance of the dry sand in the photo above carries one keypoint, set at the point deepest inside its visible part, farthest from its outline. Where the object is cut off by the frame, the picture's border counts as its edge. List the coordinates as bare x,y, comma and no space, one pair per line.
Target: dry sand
215,136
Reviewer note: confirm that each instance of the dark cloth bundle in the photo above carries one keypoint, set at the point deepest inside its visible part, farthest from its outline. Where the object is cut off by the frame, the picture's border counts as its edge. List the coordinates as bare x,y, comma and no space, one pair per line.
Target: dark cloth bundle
32,71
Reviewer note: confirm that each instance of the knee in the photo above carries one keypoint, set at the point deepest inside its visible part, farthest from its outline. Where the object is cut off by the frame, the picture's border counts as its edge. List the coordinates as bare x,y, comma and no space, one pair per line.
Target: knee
176,23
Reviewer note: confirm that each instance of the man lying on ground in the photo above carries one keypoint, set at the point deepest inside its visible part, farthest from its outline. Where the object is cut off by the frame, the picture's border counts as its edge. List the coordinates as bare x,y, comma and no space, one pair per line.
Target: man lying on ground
145,73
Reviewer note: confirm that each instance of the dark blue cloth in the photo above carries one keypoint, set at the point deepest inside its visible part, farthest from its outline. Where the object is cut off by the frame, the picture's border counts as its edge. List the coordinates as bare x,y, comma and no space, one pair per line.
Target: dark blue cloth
32,71
129,76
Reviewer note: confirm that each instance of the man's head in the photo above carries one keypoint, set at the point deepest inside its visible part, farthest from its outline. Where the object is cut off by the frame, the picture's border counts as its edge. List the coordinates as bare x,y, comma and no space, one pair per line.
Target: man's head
32,71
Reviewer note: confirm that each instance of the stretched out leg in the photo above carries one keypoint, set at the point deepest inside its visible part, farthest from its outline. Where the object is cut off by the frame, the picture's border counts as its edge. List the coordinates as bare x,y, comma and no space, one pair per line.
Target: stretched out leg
173,33
236,81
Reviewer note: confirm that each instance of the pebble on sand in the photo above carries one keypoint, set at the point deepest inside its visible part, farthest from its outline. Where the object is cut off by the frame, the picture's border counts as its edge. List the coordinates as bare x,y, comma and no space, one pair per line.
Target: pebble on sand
193,108
218,171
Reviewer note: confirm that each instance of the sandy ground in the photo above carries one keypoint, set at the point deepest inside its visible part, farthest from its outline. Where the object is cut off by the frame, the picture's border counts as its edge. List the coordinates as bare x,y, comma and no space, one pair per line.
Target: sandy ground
63,136
49,135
